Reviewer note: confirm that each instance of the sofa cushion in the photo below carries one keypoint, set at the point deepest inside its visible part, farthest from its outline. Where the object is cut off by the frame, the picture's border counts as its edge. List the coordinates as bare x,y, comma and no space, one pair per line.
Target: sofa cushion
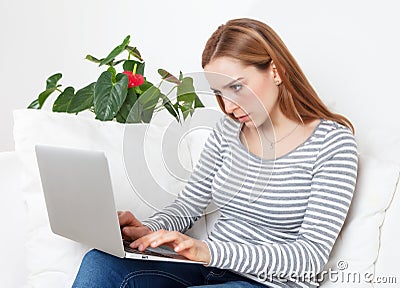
351,263
12,218
149,164
387,270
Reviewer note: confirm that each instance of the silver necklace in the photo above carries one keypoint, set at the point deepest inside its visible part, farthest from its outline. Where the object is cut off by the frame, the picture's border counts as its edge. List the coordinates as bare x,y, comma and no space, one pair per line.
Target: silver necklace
272,143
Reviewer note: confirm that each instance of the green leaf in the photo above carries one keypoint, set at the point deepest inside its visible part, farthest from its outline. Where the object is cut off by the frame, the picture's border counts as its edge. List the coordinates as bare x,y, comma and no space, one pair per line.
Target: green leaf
198,103
130,64
44,95
170,107
165,75
140,68
51,86
186,110
138,91
70,102
116,62
146,85
185,90
187,97
83,99
93,59
144,107
134,52
109,96
52,81
34,104
119,118
97,61
124,114
63,100
113,73
116,51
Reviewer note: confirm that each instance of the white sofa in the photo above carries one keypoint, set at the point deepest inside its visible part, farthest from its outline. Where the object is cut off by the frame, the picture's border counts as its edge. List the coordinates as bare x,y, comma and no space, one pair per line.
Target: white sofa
365,254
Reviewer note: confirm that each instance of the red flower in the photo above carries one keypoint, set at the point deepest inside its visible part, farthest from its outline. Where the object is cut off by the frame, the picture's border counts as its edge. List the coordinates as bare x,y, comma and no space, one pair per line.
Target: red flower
137,79
134,79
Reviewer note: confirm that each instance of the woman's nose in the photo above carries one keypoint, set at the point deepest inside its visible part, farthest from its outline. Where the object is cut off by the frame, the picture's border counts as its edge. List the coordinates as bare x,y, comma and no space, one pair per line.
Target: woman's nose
230,106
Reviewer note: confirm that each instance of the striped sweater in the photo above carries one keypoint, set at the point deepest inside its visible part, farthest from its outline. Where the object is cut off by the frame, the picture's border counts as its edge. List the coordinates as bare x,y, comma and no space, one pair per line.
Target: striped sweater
278,219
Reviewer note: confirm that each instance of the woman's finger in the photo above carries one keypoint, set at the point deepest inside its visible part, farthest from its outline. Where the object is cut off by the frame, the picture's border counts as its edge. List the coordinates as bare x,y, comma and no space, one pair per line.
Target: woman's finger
133,233
155,239
143,242
127,218
194,250
173,238
184,245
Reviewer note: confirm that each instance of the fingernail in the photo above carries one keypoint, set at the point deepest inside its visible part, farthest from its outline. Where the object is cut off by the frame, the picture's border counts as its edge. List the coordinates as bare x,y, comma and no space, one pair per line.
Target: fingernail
153,244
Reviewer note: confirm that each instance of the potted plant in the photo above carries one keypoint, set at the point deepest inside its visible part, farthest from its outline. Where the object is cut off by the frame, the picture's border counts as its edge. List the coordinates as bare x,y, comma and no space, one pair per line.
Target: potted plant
123,95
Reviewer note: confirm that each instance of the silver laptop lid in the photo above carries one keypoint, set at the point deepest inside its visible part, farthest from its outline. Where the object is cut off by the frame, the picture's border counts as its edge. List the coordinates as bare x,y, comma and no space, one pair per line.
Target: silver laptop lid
79,198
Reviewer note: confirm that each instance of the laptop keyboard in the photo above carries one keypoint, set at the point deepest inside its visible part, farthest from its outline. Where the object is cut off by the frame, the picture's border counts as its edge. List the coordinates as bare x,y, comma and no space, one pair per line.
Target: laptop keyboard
159,251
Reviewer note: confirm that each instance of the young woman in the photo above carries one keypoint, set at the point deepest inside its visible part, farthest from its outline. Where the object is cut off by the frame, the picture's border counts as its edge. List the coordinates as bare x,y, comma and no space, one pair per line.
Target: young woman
280,167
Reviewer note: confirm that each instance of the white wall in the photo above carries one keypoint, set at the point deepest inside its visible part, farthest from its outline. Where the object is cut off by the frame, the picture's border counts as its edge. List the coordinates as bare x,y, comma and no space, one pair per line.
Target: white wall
348,49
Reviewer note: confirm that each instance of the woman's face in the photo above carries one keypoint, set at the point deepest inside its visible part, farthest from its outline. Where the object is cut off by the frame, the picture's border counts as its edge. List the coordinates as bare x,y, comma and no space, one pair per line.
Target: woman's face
249,94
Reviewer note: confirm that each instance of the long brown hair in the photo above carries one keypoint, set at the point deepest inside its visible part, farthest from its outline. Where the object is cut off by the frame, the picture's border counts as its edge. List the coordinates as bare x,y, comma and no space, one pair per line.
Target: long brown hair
255,43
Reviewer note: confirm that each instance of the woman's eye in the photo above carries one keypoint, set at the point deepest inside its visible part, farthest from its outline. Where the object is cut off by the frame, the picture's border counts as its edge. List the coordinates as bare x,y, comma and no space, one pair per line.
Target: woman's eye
236,87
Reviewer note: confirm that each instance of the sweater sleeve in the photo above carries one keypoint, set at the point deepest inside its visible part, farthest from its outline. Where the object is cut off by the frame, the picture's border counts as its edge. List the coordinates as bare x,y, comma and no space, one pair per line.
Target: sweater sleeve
332,187
190,204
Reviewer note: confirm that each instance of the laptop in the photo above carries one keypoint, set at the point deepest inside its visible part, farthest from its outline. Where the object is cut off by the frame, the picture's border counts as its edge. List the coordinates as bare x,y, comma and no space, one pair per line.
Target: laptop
80,202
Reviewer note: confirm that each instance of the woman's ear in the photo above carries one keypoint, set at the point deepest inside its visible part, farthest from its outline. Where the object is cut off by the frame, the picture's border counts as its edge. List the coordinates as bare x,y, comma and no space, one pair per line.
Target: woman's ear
277,78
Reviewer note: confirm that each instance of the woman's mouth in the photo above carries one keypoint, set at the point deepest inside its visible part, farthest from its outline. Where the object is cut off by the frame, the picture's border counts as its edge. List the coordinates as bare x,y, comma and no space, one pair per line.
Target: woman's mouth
243,118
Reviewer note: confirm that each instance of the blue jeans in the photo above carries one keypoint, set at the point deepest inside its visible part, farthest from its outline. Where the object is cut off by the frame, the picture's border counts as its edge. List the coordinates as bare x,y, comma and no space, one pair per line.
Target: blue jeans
101,270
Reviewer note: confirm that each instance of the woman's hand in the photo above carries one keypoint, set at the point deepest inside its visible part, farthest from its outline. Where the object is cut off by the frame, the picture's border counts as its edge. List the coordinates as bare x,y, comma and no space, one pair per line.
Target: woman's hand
182,244
131,227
